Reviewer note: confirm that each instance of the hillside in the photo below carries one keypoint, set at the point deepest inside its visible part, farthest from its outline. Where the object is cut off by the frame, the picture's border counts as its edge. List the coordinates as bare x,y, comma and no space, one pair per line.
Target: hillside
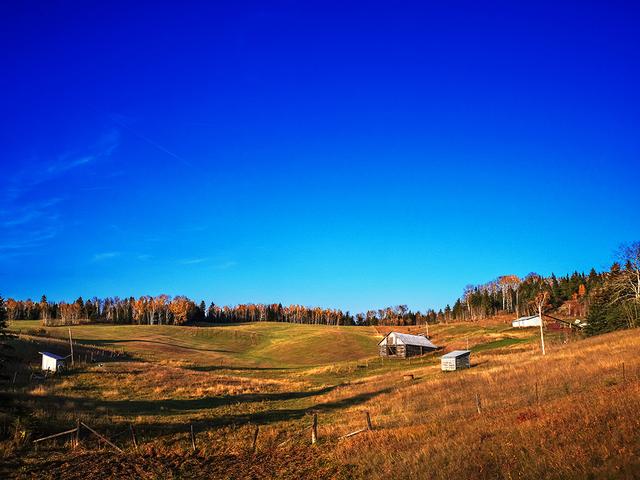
538,416
237,345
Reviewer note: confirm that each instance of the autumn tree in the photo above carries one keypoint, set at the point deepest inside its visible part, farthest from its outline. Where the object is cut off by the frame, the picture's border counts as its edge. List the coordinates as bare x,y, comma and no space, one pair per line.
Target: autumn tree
181,309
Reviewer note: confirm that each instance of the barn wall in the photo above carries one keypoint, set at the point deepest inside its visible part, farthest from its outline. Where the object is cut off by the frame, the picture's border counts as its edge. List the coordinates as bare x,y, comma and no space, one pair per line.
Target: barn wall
404,351
457,363
463,362
400,351
49,363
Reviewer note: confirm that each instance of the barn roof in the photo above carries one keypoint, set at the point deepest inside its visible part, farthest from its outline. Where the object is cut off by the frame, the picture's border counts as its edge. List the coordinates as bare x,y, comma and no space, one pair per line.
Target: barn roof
52,355
408,339
522,319
456,354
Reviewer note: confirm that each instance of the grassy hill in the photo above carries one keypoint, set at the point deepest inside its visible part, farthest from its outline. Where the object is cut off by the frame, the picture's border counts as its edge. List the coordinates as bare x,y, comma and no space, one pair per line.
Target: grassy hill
265,344
570,414
236,345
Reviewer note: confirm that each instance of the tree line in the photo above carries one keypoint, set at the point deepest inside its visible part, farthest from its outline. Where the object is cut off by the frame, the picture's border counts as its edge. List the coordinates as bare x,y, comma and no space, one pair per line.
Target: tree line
609,300
166,310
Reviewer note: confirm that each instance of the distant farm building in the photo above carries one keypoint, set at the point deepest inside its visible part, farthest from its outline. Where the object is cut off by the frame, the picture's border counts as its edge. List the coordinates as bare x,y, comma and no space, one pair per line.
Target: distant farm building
456,360
523,322
403,345
52,362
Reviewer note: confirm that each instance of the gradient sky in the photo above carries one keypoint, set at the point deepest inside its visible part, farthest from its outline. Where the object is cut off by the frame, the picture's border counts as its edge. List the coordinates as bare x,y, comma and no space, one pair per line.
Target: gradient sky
344,155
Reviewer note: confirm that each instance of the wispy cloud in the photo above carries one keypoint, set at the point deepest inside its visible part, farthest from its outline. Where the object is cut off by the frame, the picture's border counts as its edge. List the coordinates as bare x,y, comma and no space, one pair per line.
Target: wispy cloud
26,225
16,246
99,257
123,123
193,261
202,260
226,265
23,228
28,179
25,214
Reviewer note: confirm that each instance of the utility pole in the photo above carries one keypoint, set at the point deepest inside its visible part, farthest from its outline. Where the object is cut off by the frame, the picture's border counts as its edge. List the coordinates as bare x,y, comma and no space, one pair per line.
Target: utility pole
541,330
71,345
541,300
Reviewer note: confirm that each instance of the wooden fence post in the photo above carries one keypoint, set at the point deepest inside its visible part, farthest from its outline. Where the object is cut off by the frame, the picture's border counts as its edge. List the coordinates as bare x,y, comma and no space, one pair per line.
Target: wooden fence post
133,436
77,442
255,439
478,405
71,345
369,426
193,438
101,437
314,429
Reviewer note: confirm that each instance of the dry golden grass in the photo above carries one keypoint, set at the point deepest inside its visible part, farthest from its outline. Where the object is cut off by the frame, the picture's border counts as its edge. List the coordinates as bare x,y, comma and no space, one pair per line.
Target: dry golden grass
581,421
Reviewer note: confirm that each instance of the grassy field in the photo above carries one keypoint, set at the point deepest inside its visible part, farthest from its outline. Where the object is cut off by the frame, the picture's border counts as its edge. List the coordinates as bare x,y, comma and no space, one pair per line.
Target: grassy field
570,414
239,345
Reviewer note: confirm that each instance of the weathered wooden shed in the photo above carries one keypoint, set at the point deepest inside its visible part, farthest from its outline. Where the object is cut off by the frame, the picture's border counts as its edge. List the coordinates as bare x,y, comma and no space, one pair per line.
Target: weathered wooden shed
456,360
403,345
523,322
52,362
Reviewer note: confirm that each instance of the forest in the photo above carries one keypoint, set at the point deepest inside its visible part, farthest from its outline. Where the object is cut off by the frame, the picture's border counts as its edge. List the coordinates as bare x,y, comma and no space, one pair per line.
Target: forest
609,299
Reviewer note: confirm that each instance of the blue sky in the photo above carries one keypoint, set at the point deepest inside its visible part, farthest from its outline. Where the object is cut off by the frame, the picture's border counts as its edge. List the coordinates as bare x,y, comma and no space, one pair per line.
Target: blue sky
351,155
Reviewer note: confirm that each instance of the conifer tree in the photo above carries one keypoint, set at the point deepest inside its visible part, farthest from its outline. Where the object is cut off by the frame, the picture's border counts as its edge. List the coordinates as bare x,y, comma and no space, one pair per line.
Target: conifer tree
4,337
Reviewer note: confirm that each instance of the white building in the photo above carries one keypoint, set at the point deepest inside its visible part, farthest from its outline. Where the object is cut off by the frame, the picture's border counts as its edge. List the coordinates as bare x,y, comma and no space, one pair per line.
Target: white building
52,362
456,360
523,322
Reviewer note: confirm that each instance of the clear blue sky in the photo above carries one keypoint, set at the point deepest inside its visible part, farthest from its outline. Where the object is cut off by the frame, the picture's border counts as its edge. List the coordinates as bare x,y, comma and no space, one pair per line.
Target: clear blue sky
344,155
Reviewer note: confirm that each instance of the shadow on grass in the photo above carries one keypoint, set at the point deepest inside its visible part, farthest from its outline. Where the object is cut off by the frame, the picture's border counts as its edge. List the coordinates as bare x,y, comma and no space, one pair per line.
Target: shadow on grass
213,368
27,351
163,407
170,406
156,342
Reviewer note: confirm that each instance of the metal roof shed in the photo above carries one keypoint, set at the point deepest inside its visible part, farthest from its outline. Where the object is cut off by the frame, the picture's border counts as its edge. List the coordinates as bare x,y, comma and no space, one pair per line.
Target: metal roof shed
52,362
404,345
456,360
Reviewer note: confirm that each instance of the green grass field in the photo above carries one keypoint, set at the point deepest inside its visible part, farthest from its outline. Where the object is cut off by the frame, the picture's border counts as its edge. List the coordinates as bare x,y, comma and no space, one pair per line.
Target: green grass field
265,344
275,345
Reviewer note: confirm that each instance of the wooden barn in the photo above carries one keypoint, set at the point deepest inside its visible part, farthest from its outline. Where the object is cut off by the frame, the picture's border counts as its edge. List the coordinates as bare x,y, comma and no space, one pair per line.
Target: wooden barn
456,360
403,345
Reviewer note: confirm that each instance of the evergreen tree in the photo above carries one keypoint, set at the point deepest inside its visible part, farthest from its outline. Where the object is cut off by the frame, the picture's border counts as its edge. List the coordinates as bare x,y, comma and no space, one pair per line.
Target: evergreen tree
4,337
201,312
604,315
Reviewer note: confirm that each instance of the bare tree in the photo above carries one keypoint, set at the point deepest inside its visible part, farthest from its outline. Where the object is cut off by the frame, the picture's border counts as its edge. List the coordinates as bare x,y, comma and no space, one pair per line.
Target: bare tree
626,282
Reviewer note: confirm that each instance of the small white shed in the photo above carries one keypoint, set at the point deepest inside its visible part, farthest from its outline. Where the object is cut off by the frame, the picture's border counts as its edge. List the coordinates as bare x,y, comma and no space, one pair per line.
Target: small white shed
456,360
52,362
524,322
